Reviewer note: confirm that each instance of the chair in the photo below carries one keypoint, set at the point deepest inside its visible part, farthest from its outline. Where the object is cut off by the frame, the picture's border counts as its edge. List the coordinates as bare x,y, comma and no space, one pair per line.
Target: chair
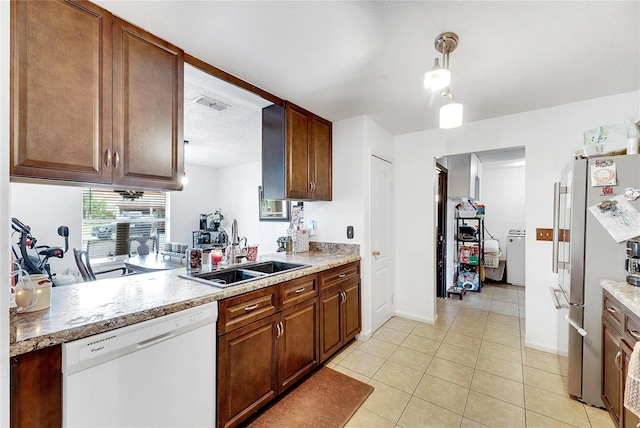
141,246
82,260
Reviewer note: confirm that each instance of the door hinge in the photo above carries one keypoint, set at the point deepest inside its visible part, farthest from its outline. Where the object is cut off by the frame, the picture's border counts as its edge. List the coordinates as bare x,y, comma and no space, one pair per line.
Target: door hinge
392,299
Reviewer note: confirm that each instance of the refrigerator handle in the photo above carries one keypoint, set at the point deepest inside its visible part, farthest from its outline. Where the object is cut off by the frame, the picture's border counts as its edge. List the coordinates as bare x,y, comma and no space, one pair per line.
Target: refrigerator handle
575,325
557,191
554,296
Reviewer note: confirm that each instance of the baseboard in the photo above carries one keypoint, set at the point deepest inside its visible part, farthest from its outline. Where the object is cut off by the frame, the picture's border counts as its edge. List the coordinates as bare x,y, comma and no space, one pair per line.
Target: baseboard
416,317
545,348
364,336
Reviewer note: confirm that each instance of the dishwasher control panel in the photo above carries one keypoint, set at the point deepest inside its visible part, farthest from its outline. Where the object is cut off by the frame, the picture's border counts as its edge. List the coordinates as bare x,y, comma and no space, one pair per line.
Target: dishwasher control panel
90,351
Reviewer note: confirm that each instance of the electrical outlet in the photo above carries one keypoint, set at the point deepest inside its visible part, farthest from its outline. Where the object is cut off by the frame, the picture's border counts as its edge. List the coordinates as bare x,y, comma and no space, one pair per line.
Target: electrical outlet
544,234
349,232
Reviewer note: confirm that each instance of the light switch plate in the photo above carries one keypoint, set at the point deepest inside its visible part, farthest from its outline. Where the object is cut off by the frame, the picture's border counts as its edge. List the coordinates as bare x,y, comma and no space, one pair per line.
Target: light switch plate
349,232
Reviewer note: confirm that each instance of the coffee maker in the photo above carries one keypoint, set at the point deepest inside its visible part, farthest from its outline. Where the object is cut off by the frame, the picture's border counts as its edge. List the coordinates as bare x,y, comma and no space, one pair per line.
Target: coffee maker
632,264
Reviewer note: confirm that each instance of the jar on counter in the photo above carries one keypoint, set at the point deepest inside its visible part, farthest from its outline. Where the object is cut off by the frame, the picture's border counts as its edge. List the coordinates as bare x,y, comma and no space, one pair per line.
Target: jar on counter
194,259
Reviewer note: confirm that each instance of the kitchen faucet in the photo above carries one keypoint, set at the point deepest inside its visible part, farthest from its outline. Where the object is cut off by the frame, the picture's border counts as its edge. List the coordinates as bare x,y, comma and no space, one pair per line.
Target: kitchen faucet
235,251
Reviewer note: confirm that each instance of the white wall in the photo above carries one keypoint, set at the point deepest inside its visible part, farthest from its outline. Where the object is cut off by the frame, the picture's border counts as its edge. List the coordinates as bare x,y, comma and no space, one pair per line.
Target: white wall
199,196
503,193
550,137
44,207
238,197
234,190
354,141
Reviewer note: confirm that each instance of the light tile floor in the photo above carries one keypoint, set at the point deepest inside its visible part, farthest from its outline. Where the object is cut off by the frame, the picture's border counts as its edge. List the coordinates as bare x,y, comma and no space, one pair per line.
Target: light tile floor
469,370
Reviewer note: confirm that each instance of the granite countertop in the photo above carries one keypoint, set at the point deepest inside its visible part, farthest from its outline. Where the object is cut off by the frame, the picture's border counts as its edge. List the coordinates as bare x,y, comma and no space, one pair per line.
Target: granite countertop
85,309
627,294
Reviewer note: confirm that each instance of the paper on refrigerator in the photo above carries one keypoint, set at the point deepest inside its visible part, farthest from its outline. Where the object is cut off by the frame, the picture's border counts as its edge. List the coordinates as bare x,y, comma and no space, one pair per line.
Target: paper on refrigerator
618,217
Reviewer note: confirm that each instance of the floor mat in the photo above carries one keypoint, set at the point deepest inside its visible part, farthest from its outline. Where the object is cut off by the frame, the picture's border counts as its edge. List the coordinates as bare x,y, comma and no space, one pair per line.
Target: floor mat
327,399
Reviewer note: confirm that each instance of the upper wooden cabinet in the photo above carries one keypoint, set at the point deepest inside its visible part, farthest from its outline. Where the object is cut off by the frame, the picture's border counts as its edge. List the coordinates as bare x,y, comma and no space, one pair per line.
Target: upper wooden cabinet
93,98
60,90
296,154
148,102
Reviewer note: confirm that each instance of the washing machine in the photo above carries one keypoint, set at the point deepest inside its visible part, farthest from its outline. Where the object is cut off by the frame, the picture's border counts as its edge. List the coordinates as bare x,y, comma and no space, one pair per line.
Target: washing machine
515,256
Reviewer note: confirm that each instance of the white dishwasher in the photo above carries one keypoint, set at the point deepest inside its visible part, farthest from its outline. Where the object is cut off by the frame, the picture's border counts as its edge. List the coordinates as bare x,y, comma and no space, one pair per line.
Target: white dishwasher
157,373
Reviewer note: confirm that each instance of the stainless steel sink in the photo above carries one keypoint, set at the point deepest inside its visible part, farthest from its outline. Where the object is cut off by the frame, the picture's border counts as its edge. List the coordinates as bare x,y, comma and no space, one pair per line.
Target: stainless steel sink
238,274
229,276
273,266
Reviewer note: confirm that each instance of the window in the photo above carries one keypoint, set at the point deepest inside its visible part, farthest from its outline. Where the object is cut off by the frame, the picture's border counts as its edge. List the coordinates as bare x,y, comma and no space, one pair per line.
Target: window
110,217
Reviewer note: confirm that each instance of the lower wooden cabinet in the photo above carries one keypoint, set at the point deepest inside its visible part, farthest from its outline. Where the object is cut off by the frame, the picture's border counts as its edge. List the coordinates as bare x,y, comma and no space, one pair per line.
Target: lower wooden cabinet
299,326
612,383
36,388
340,308
247,370
351,308
620,332
331,337
261,359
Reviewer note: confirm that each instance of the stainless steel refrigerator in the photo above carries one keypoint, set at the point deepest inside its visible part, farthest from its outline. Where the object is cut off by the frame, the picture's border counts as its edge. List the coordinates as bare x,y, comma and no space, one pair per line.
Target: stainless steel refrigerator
584,252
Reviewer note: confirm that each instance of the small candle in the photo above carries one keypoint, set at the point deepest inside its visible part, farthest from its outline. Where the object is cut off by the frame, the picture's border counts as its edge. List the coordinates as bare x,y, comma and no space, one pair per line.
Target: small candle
216,257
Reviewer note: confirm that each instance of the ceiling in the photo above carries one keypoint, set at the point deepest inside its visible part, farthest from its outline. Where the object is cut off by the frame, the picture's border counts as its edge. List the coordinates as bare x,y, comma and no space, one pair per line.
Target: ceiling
220,138
344,59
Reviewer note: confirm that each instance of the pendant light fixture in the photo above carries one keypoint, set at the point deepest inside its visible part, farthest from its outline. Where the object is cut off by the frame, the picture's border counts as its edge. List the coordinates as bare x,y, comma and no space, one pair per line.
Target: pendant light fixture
439,79
451,113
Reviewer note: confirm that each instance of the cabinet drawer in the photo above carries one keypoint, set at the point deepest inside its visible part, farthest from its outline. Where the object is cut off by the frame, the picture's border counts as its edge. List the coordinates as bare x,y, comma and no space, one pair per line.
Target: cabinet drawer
236,312
337,276
631,329
298,290
612,312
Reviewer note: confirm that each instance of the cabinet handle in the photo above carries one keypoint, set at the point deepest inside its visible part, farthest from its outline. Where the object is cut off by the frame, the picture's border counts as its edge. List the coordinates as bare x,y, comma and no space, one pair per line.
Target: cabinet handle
342,275
611,310
635,334
313,186
279,331
252,307
117,162
107,158
344,296
300,290
617,360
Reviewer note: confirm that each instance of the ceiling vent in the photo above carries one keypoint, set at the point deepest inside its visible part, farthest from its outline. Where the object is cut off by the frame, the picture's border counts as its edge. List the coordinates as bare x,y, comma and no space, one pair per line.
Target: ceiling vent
211,103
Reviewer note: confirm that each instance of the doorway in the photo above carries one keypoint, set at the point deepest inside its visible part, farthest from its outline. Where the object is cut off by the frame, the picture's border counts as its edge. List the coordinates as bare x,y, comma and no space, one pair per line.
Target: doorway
382,215
494,179
441,232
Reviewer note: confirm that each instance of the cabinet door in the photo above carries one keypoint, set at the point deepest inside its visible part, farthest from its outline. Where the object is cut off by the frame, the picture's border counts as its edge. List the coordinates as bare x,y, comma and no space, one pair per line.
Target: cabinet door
61,90
331,332
629,419
247,371
351,310
297,153
148,86
36,388
611,375
321,158
298,342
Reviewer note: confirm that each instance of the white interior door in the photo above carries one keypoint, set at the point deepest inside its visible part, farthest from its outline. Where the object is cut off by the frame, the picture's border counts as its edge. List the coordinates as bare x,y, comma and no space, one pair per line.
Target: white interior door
381,241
